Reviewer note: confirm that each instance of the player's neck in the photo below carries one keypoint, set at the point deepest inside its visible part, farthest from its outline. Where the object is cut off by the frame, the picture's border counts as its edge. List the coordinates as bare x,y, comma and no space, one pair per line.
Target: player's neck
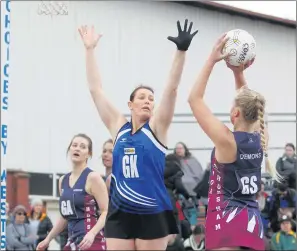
78,168
136,125
107,171
243,128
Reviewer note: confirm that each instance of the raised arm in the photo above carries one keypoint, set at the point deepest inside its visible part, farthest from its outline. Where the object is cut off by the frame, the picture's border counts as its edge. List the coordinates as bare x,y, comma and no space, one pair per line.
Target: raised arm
164,114
110,116
220,135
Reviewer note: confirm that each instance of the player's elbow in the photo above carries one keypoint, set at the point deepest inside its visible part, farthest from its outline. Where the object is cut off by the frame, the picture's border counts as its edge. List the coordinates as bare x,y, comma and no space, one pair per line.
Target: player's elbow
195,103
190,99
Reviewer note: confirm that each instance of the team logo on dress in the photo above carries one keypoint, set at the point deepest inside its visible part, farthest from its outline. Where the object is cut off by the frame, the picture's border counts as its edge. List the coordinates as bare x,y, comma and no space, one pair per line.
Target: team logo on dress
129,150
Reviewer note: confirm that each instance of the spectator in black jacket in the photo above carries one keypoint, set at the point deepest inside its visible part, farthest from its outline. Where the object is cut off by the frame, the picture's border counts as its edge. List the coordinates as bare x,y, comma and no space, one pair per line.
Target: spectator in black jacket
40,223
202,188
172,180
174,186
287,165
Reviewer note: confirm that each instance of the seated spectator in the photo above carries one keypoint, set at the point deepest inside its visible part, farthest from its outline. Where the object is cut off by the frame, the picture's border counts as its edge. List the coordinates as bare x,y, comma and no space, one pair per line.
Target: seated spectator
287,165
285,239
201,189
193,173
281,198
40,223
19,235
172,179
197,240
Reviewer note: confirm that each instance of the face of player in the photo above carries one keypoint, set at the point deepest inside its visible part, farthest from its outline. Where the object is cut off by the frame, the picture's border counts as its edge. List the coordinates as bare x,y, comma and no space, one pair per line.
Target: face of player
107,155
143,104
79,150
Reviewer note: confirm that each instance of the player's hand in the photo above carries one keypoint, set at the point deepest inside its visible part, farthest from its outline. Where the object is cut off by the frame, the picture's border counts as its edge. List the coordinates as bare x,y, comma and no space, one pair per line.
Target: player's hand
217,55
240,68
43,245
87,241
89,36
184,37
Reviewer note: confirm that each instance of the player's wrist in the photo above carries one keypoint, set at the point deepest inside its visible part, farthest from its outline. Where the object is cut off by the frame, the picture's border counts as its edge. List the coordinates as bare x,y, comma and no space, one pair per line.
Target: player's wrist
238,73
92,233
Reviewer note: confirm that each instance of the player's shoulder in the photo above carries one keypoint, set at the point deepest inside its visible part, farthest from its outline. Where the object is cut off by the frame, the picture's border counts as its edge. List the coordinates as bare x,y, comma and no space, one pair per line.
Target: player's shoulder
62,178
125,126
94,175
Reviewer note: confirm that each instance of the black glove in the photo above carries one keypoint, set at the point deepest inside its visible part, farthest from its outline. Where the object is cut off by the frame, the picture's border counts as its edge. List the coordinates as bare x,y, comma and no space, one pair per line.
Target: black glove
184,38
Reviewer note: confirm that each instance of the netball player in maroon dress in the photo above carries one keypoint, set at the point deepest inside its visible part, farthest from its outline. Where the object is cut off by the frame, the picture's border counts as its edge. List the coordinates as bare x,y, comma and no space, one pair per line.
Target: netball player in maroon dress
83,202
233,218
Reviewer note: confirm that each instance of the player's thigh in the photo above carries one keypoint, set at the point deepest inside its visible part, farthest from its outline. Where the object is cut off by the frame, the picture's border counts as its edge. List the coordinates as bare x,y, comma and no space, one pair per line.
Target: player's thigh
171,239
155,244
120,244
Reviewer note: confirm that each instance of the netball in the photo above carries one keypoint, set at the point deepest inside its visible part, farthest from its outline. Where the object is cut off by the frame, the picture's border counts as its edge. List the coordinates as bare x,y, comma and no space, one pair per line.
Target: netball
241,46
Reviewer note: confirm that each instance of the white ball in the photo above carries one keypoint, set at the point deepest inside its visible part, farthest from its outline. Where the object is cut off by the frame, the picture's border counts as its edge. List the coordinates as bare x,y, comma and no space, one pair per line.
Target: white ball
241,46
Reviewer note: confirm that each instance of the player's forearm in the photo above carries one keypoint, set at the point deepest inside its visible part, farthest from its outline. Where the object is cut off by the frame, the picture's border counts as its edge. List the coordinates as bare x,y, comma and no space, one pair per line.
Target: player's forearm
58,228
100,223
199,87
176,71
93,75
239,80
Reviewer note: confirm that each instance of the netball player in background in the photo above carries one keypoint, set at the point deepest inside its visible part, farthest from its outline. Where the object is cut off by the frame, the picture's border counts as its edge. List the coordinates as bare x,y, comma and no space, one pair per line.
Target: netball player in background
233,218
83,201
107,160
140,213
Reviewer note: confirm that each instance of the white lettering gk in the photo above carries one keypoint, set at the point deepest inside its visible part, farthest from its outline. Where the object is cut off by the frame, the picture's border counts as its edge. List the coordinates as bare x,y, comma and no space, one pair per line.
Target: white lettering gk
129,164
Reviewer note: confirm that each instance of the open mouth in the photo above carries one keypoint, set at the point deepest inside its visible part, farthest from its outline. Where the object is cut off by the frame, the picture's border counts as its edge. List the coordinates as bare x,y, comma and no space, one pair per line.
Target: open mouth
76,154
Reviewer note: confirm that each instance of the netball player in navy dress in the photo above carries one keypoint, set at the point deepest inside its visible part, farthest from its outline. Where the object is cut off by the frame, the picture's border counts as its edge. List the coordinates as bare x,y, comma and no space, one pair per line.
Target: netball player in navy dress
83,202
233,218
140,212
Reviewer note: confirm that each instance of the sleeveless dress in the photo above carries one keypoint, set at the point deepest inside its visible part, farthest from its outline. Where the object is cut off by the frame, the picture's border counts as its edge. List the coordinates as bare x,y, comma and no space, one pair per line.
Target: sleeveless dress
233,217
139,207
81,211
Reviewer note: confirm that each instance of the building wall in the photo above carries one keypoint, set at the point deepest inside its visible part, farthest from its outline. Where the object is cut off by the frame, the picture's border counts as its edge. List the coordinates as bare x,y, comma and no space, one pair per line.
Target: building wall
48,97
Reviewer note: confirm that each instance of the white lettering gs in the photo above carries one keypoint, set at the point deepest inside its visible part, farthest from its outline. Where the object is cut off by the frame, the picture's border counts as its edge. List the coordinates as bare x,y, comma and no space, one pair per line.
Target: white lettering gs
249,185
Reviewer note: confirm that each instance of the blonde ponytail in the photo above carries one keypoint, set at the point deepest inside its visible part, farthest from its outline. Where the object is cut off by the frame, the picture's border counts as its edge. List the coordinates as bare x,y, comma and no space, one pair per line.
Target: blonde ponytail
270,168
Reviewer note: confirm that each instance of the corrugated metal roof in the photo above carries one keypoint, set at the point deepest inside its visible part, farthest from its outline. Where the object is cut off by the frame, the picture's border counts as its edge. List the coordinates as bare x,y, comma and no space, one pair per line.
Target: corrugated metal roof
240,12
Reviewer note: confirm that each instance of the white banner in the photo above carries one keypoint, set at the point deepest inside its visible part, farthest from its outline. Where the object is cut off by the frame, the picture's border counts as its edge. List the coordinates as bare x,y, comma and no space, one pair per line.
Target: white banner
5,54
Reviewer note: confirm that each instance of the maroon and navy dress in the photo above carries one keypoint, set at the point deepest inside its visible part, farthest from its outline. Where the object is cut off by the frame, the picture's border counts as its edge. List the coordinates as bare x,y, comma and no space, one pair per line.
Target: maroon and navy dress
81,211
233,217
